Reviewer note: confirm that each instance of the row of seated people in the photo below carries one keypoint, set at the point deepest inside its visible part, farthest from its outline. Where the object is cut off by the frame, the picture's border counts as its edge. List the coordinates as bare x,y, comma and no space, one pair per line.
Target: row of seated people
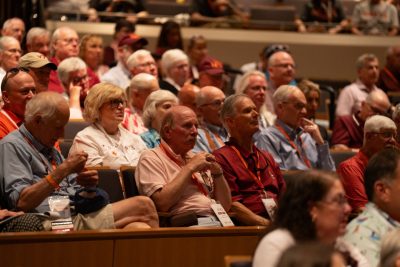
375,17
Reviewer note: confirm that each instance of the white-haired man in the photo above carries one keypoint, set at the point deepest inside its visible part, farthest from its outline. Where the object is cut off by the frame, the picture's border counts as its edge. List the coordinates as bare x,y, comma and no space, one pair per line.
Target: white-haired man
351,97
142,61
379,132
120,74
14,27
73,75
211,134
32,170
38,40
294,141
254,84
175,68
177,180
10,53
142,85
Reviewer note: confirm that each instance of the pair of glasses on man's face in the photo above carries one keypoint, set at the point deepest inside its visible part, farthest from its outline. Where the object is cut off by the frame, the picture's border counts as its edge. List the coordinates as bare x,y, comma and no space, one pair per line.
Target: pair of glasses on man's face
11,73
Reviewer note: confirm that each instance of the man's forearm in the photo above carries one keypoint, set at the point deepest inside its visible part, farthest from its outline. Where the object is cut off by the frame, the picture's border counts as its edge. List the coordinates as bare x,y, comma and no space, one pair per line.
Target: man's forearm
222,192
246,216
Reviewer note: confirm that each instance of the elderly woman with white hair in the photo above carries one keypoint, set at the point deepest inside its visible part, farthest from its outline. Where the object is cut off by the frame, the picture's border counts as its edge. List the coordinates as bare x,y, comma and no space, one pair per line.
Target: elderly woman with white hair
175,70
105,140
142,85
157,104
254,85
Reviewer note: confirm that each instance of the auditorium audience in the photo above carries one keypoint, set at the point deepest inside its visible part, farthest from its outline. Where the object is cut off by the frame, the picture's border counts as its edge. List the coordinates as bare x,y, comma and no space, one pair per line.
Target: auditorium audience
204,11
91,51
254,84
177,180
155,107
389,76
39,68
313,96
142,85
381,215
211,133
294,141
105,141
211,73
14,27
175,70
312,208
350,98
375,17
379,133
31,170
348,131
18,87
252,174
170,37
38,40
72,73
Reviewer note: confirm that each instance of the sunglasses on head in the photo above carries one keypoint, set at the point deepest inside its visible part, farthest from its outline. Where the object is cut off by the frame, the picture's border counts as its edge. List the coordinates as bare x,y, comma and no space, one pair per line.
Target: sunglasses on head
11,73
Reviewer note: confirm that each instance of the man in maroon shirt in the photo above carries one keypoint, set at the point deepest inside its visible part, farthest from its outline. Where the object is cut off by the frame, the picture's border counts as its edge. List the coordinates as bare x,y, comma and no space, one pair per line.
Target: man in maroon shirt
379,133
252,174
348,132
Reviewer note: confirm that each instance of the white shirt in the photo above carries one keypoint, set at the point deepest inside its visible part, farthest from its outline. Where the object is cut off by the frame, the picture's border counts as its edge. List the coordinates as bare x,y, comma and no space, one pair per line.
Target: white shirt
118,76
104,149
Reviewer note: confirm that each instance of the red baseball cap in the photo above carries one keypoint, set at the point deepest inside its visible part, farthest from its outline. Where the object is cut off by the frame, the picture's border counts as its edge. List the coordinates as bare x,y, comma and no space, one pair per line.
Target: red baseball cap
211,66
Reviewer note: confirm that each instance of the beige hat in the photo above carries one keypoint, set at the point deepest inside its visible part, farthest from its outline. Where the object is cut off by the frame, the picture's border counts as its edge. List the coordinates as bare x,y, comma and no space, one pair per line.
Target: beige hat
35,60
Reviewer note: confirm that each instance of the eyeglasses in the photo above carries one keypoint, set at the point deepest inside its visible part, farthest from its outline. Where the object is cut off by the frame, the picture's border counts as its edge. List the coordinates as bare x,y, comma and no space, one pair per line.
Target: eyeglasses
216,103
258,88
386,135
78,80
70,40
14,51
340,200
147,64
116,103
284,66
298,105
376,110
11,73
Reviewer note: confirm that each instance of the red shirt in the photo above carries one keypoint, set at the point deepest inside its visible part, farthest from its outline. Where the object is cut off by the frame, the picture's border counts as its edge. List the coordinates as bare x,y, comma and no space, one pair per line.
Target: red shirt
351,174
349,131
244,188
8,122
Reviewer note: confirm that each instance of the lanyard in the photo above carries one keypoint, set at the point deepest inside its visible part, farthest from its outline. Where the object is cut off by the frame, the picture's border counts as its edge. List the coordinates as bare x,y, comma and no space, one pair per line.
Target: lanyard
180,164
294,146
53,162
213,145
257,178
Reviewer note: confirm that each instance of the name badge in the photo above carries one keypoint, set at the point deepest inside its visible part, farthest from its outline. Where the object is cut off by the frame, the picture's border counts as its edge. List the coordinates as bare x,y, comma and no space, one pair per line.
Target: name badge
59,205
270,206
221,214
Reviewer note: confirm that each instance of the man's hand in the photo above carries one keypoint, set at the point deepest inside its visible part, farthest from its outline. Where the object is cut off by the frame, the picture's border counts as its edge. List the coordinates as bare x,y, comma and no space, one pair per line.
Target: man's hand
312,128
87,178
202,162
73,164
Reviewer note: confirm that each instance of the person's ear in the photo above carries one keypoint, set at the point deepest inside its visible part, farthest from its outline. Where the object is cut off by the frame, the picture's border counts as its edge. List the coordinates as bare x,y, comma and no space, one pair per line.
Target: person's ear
5,97
381,191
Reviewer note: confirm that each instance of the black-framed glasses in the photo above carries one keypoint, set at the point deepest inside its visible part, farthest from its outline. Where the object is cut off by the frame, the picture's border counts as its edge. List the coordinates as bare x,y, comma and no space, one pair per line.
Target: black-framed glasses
11,73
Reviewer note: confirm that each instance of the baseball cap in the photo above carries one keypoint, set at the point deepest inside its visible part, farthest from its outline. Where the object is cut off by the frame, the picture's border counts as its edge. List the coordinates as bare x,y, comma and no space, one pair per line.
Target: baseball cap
211,66
131,39
35,60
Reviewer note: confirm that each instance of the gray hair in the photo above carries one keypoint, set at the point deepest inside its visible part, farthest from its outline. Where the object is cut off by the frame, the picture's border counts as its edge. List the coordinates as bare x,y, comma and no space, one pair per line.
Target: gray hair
245,80
98,95
152,101
8,22
141,81
390,249
67,66
283,93
170,57
377,122
133,60
44,104
272,58
364,59
35,32
228,109
202,95
4,40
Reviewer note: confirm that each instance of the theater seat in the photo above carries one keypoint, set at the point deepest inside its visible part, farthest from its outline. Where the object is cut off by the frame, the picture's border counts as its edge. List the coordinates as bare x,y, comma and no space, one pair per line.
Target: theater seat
340,156
238,261
109,181
73,127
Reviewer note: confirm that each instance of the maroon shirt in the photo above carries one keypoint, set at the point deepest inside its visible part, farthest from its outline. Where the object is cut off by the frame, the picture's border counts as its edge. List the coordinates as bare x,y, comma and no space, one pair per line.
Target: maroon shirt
349,131
243,187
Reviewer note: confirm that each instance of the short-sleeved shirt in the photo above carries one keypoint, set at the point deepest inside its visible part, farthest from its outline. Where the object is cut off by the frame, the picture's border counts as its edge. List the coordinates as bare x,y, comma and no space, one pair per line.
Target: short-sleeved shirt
8,122
156,169
244,188
351,174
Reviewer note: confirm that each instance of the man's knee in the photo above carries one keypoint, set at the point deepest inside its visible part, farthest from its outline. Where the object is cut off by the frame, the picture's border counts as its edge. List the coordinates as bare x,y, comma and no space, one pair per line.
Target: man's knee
144,205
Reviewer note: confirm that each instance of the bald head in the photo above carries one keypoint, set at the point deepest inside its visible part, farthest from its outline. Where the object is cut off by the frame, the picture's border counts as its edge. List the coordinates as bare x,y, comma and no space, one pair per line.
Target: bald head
187,95
281,67
209,103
